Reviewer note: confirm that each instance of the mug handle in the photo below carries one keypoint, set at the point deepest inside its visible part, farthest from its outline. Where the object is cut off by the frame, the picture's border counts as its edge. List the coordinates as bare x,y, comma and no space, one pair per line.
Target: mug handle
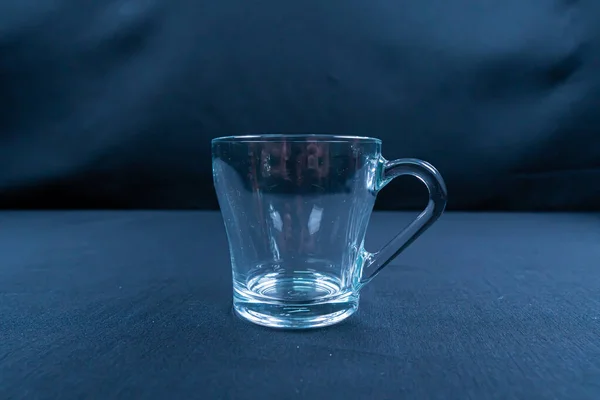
426,173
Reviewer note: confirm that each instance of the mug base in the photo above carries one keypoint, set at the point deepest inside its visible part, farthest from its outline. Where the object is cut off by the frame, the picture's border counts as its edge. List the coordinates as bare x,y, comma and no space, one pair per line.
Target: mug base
295,316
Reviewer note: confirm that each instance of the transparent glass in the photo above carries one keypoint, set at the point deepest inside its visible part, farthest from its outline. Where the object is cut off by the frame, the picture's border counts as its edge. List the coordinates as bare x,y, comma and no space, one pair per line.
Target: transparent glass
296,209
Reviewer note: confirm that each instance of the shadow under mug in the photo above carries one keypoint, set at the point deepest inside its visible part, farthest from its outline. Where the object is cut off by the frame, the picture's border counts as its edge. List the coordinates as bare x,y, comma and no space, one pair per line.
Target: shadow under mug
296,209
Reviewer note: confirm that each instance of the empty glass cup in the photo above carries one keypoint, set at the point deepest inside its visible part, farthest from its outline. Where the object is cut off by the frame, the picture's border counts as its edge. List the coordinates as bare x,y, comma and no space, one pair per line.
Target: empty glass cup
296,209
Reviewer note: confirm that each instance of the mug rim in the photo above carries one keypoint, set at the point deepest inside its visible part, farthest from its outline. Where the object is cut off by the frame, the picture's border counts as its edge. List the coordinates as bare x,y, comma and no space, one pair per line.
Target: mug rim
294,137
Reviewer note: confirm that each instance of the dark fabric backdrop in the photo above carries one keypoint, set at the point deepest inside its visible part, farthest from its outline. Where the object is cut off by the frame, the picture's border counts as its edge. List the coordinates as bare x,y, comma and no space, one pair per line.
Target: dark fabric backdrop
112,103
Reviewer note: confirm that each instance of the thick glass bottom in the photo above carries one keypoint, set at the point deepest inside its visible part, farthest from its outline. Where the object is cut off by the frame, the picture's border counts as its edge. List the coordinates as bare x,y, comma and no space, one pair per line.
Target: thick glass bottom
301,301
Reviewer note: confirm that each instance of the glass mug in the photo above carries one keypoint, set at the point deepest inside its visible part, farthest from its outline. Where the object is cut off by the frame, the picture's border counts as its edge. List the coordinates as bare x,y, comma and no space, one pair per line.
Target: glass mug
296,209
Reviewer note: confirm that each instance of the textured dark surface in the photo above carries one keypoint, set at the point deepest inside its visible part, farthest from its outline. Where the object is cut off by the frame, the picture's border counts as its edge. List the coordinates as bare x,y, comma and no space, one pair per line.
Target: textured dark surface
137,305
112,103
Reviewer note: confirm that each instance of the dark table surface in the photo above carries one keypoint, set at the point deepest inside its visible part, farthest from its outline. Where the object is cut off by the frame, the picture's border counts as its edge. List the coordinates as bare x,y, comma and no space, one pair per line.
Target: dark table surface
138,305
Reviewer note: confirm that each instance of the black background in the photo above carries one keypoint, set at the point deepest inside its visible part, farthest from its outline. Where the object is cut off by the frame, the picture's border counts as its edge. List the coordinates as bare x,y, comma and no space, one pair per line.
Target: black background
113,103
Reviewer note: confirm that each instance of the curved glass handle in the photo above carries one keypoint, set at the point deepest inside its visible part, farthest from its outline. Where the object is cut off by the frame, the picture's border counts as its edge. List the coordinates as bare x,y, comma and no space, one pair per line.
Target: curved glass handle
426,173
